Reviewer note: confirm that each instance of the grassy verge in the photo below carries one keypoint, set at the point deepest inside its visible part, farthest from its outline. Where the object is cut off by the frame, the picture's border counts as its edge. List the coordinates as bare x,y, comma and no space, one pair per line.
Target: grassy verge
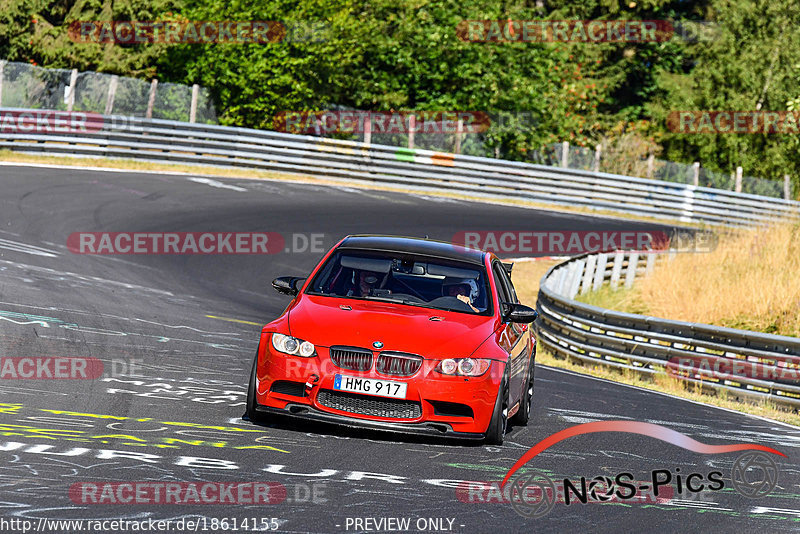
137,165
751,281
526,276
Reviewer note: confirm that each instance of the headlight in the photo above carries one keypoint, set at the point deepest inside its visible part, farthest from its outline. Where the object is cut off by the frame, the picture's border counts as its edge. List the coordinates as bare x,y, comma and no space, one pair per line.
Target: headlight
463,366
292,345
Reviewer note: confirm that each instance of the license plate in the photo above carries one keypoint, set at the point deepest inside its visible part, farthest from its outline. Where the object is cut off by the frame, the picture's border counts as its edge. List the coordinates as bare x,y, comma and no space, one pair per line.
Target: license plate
370,386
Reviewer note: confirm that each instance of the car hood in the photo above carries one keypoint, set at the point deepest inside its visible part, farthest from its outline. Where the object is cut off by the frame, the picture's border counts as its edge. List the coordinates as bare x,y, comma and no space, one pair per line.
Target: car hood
321,321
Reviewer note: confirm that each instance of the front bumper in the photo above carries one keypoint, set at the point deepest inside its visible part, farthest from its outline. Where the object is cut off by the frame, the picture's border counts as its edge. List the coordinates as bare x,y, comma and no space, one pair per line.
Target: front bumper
451,406
309,413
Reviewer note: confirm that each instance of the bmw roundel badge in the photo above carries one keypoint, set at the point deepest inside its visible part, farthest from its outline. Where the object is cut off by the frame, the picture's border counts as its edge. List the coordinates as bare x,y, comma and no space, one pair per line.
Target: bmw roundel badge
377,344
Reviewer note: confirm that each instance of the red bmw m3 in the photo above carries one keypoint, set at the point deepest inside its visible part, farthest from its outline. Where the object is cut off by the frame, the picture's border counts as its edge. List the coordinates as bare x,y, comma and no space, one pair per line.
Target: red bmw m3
399,334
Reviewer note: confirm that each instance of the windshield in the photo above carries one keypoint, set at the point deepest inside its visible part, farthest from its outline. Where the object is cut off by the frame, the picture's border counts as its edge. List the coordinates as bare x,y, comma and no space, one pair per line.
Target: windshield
413,281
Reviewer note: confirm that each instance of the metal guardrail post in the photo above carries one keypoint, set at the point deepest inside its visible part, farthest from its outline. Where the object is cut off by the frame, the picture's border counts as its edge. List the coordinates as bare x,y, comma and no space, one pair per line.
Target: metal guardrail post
696,169
152,99
368,129
738,183
565,154
193,107
112,93
73,81
2,69
597,150
412,127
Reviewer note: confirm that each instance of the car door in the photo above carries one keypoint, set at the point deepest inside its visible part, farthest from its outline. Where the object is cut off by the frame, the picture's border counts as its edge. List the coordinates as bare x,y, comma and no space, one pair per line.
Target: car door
514,337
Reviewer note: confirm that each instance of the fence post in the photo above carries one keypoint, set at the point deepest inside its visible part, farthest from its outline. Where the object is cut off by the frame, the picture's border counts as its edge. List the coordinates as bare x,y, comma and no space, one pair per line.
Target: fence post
576,279
600,272
597,150
565,154
73,80
152,100
112,93
696,168
651,263
412,125
616,270
368,128
2,68
787,183
459,129
630,273
651,161
738,188
193,108
588,274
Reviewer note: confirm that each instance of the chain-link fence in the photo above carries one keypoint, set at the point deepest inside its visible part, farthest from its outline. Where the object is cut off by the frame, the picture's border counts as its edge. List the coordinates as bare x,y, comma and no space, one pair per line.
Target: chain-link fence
26,86
587,159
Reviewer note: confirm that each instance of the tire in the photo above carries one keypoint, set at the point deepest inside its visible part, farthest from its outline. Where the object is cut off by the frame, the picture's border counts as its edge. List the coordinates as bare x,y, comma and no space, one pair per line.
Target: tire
524,413
250,407
497,426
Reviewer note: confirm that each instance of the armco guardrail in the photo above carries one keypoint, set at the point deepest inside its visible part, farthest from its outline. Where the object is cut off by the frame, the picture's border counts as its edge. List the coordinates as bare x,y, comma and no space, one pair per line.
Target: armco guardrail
177,142
747,363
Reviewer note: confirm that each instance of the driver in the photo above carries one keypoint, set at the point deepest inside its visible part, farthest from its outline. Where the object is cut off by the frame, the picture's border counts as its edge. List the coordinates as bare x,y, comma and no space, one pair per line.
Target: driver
465,290
364,283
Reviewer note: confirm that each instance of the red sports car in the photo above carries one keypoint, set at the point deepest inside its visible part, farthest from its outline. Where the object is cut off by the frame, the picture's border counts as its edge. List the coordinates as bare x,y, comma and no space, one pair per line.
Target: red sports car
399,334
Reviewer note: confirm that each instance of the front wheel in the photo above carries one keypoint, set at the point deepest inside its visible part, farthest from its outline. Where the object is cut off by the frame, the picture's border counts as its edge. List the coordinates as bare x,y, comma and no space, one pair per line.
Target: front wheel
526,401
250,407
497,427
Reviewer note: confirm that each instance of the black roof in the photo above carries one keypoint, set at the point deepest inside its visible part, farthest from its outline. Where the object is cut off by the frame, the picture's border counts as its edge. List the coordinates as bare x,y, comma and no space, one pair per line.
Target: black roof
414,245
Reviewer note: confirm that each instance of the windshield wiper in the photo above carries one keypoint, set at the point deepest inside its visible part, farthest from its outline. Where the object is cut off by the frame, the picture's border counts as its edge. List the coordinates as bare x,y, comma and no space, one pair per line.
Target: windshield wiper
397,301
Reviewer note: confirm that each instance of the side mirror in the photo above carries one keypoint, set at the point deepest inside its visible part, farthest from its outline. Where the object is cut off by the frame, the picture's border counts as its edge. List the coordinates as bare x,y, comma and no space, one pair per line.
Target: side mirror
286,285
519,313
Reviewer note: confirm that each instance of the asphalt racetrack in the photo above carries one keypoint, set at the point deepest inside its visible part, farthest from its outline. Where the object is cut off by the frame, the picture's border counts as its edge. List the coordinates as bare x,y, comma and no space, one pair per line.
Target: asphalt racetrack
176,335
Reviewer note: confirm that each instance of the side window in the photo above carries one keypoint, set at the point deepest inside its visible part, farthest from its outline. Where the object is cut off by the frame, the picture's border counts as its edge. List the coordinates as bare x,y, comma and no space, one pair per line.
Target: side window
509,286
502,288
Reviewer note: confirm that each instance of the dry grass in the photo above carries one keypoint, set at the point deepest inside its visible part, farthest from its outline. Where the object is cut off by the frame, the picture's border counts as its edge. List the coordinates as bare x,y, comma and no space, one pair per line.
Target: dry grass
751,281
526,276
668,384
